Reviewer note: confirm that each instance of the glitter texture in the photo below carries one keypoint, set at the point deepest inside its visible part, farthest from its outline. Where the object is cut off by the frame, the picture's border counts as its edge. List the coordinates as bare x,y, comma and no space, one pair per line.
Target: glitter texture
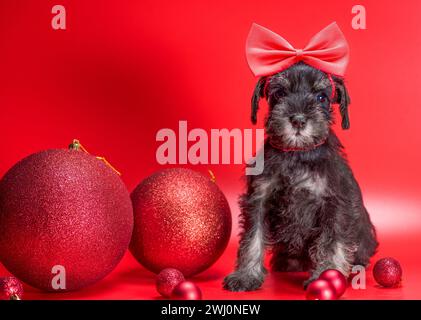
10,289
182,221
167,280
388,272
63,207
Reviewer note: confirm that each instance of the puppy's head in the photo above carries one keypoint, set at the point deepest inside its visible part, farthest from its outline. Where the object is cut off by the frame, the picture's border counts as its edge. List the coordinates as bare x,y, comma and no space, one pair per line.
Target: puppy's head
300,101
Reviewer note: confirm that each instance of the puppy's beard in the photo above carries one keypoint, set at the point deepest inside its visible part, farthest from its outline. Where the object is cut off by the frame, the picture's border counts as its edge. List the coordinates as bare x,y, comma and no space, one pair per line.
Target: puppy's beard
298,138
291,137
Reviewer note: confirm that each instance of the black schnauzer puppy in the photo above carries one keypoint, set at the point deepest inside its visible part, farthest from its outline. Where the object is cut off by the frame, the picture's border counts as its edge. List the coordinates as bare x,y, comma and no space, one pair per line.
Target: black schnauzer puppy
306,205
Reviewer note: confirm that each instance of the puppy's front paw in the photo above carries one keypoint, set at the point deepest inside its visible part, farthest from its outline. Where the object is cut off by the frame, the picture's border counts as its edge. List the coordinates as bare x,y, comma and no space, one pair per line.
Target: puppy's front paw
238,281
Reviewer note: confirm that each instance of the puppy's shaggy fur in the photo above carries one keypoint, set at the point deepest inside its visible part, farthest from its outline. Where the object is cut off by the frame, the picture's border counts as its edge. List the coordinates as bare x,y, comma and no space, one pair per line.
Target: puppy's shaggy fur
306,205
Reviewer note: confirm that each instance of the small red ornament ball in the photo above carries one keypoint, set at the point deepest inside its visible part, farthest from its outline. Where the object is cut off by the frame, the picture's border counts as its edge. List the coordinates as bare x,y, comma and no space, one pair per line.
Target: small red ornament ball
63,213
321,290
10,289
167,280
186,290
182,221
387,272
336,279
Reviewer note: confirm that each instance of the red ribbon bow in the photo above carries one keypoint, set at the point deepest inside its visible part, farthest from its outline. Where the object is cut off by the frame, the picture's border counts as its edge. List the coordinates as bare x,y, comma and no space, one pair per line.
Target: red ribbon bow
269,53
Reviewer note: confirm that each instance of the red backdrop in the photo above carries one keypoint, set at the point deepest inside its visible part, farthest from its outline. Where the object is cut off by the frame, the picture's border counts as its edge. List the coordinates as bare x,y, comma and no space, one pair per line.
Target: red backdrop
125,69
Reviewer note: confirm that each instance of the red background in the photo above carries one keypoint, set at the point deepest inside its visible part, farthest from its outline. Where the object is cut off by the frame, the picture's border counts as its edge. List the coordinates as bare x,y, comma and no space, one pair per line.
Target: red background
125,69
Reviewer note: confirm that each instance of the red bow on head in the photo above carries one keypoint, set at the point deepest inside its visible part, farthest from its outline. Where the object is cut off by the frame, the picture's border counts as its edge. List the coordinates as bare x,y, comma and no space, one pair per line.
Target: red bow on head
269,53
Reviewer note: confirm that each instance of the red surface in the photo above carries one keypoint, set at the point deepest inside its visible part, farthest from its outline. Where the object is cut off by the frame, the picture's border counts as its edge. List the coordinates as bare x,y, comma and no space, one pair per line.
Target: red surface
131,281
123,70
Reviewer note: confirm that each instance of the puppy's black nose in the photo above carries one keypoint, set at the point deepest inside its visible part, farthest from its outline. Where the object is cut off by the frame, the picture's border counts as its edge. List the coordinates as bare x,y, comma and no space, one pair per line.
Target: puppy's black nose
298,121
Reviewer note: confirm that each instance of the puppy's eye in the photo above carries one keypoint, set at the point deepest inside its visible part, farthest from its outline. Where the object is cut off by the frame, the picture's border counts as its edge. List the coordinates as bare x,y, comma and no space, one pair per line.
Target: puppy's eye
279,94
321,98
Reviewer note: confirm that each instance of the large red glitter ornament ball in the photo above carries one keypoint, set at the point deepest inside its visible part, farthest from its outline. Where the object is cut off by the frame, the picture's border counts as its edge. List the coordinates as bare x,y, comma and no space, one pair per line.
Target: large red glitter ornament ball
336,279
65,220
167,280
182,221
388,272
186,290
321,290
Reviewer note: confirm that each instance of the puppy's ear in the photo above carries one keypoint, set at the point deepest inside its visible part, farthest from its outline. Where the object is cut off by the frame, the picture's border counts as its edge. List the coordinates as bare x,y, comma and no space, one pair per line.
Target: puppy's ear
257,94
343,99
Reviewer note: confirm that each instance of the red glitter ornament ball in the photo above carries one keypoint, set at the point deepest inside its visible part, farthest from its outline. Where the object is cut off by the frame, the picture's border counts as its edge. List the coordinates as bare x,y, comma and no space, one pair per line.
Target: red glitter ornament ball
167,280
336,279
387,272
321,290
186,290
182,221
10,289
65,220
